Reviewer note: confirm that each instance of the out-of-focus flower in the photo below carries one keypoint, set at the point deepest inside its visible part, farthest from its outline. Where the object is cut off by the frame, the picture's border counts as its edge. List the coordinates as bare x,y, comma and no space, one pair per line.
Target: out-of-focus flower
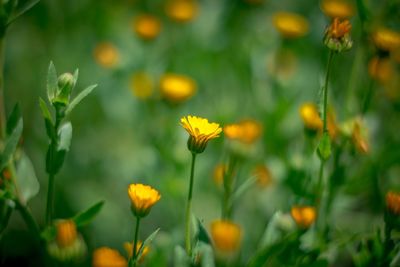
147,26
310,116
290,25
246,131
386,39
143,198
106,55
107,257
337,35
182,10
68,245
359,139
129,249
141,85
219,173
333,129
263,174
227,235
304,216
337,9
200,132
393,202
6,174
381,69
177,88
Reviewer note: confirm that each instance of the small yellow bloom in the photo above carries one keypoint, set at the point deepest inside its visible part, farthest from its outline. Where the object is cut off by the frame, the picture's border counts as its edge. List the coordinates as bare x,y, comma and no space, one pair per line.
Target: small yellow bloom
337,9
66,233
182,10
304,216
219,173
177,88
147,26
386,39
226,235
129,248
106,55
381,69
310,116
246,131
393,202
107,257
141,85
143,197
290,25
264,175
200,132
359,139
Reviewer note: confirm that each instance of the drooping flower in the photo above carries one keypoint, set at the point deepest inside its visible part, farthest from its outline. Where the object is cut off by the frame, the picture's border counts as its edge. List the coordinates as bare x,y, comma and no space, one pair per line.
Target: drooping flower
290,25
337,9
246,131
393,202
107,257
386,39
106,55
200,132
143,198
182,10
141,85
129,248
304,216
337,35
226,235
146,26
177,88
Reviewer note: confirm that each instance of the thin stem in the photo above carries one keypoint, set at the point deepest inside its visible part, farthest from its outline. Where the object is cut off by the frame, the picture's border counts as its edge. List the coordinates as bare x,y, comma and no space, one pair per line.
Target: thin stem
50,200
367,99
228,184
2,107
325,91
134,247
189,208
29,220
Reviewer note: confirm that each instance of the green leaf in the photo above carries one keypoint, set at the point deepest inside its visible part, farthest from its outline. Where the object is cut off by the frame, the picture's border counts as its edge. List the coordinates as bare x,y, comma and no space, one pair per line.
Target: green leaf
13,119
26,179
324,147
6,209
76,75
47,119
11,144
49,233
51,85
244,187
79,98
202,234
363,12
147,242
204,253
181,259
22,10
65,136
85,217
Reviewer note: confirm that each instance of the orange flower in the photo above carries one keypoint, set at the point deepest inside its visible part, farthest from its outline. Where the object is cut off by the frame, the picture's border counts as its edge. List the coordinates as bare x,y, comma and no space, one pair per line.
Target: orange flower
177,88
304,216
143,198
393,202
226,235
107,257
386,39
337,9
381,69
310,116
66,233
359,140
106,55
339,29
290,25
147,26
182,10
129,248
246,131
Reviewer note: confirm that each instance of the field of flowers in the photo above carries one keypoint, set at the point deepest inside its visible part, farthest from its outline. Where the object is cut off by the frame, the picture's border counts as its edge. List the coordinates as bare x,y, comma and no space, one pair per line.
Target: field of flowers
210,133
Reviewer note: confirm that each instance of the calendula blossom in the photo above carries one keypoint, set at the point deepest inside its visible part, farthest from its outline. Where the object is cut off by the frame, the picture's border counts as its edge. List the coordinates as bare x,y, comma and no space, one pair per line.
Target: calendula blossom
386,39
200,132
310,116
106,55
337,35
66,233
290,25
246,131
182,10
381,69
226,235
143,198
107,257
147,26
177,88
337,8
393,202
304,216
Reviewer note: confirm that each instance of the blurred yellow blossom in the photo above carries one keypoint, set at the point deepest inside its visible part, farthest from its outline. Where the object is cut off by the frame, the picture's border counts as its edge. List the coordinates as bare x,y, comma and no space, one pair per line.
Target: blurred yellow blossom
386,39
337,8
107,257
246,131
263,174
141,85
381,69
310,116
147,26
182,10
143,197
219,173
290,25
106,55
200,132
177,88
304,216
129,249
393,202
226,235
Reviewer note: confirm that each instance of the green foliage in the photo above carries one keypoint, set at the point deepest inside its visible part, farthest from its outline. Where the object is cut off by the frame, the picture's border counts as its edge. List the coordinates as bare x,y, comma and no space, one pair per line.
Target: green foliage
85,217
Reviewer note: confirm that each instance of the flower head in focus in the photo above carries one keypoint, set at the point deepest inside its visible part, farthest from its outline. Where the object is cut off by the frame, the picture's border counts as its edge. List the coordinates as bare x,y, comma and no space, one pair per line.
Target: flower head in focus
290,25
143,198
107,257
177,88
304,216
106,55
337,9
147,26
226,235
337,35
200,132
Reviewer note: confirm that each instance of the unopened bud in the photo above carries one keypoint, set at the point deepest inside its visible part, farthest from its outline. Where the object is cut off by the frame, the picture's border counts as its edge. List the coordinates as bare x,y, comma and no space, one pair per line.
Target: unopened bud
66,82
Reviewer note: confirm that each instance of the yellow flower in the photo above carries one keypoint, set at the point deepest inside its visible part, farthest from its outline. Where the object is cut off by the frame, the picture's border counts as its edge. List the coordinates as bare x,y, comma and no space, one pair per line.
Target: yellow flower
310,116
141,85
106,55
177,88
337,35
290,25
337,9
129,248
66,233
200,132
381,69
304,216
218,173
338,28
263,174
393,202
107,257
246,131
359,140
147,26
226,235
143,197
386,39
182,10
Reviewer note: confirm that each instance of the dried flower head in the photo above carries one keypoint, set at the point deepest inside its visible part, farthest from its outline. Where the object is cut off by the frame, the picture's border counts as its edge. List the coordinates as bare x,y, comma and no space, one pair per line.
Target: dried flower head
106,55
147,26
200,132
141,85
290,25
143,198
226,235
107,257
393,202
386,39
182,10
304,216
337,35
177,88
337,9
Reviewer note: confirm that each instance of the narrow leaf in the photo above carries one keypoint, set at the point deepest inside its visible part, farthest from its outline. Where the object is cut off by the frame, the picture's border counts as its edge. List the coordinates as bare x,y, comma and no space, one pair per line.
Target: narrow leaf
202,234
13,119
244,187
79,98
181,259
22,10
26,179
11,144
76,75
65,135
49,233
147,242
47,119
51,82
85,217
206,255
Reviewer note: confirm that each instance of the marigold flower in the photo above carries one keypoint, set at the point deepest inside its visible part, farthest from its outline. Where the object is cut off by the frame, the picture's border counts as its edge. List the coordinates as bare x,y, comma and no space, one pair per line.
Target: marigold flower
263,174
337,9
147,26
310,116
219,173
226,235
129,248
393,202
200,132
359,140
381,69
66,233
182,10
141,85
106,55
246,131
290,25
304,216
107,257
337,35
386,39
143,197
177,88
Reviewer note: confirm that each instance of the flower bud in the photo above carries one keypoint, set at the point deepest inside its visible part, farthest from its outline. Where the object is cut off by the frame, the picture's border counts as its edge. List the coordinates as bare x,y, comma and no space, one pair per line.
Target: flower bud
337,37
143,198
66,82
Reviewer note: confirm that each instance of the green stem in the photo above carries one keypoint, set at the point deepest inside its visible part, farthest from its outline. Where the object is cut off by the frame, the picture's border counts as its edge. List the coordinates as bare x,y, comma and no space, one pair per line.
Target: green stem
50,200
134,247
29,220
189,208
325,92
367,98
2,107
228,185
